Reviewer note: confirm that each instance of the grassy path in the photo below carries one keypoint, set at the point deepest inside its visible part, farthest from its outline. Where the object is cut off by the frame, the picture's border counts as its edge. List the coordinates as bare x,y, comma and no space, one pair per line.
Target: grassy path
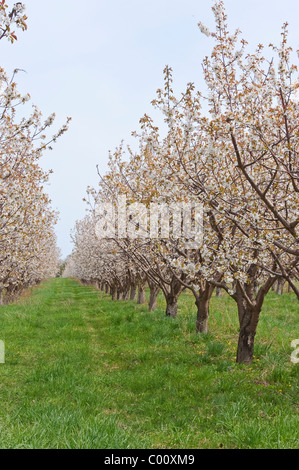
82,371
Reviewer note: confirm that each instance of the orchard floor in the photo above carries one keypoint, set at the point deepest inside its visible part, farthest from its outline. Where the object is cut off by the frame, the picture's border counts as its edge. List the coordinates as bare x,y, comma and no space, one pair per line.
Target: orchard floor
82,371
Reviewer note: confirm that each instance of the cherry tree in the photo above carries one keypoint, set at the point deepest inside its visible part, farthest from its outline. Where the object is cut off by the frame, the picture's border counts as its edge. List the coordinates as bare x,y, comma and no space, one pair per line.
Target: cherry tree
254,128
26,226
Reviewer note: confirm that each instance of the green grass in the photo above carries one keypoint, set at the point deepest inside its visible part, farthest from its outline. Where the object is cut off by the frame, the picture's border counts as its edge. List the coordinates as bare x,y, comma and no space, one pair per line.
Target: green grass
82,371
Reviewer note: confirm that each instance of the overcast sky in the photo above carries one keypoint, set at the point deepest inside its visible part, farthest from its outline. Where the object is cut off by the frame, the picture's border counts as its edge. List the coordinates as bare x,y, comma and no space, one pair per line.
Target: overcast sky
101,62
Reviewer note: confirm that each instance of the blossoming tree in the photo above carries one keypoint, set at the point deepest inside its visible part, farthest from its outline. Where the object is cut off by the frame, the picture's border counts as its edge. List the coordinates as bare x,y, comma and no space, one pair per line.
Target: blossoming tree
27,240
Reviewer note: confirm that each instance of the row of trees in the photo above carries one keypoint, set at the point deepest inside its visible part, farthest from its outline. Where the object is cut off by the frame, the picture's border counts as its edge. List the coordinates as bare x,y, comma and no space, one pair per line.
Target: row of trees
28,251
234,151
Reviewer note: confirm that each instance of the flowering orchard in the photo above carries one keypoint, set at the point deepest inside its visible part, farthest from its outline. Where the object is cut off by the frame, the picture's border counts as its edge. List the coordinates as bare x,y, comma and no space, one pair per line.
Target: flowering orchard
233,149
28,251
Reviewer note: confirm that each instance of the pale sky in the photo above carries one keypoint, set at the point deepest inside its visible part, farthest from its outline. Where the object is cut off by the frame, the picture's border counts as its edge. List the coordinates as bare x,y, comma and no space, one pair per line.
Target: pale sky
102,62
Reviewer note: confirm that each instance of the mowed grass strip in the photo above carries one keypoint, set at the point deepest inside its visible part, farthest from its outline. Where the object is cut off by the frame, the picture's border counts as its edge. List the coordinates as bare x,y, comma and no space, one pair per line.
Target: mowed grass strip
83,371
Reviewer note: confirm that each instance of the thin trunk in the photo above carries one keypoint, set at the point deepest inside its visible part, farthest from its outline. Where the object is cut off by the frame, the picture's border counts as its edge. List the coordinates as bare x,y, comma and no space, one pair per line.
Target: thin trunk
154,291
279,288
141,294
202,303
202,321
126,293
218,292
133,292
119,294
113,292
294,287
8,296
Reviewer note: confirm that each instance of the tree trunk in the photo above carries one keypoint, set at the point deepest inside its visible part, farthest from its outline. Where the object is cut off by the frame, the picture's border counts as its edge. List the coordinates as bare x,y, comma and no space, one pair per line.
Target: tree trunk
141,294
154,291
8,296
119,294
279,289
172,306
218,292
245,346
133,292
113,292
248,320
202,302
126,293
202,321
